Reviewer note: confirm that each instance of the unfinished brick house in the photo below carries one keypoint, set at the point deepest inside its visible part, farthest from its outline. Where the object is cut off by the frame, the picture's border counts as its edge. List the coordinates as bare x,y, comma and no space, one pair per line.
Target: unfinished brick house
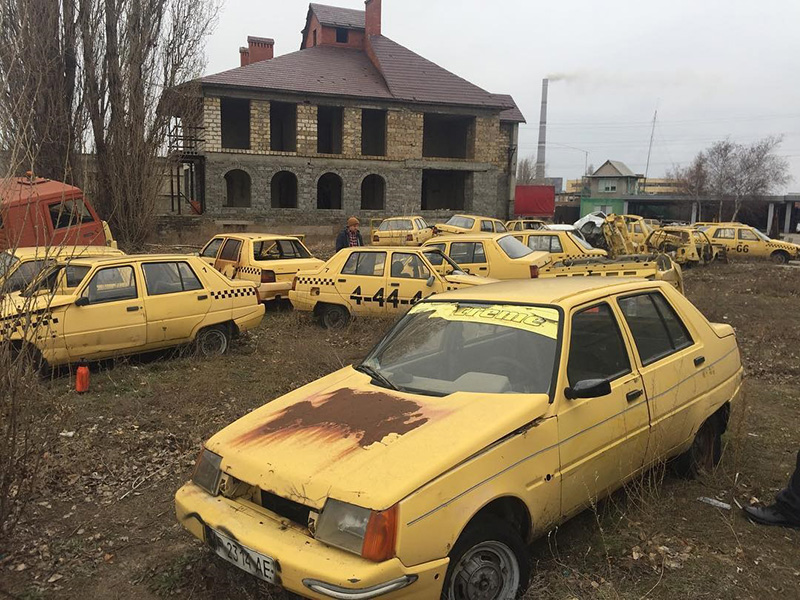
352,123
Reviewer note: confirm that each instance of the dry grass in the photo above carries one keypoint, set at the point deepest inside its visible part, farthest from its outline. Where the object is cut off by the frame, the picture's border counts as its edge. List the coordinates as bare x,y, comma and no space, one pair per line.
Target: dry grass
103,525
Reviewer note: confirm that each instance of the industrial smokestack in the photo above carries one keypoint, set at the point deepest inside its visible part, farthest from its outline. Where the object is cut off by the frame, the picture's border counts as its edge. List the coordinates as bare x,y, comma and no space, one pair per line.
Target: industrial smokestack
540,156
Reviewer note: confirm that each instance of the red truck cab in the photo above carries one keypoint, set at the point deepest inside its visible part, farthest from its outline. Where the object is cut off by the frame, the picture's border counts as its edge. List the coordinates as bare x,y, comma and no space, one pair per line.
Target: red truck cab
41,212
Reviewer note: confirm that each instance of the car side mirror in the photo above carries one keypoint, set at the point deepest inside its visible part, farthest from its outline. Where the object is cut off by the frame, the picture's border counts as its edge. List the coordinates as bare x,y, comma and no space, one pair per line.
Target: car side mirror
82,301
588,388
431,281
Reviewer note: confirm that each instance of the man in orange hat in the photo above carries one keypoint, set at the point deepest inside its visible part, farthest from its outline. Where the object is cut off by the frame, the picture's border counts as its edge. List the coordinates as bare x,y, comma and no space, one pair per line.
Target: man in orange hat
350,236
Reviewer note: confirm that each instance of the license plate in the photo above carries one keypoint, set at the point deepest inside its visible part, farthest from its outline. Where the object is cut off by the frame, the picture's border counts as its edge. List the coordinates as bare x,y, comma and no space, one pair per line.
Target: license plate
246,559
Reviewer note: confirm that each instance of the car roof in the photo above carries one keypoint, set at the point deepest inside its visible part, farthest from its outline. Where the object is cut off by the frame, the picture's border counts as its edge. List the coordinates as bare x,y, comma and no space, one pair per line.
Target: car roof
256,236
467,237
61,251
387,248
402,218
99,260
555,290
475,217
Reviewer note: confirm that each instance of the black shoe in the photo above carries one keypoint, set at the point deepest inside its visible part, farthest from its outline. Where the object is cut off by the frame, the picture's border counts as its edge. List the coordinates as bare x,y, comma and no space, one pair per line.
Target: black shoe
769,515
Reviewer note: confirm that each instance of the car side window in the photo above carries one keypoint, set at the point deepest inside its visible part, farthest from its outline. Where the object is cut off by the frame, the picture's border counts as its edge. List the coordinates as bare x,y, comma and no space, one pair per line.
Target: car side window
467,252
169,278
230,251
499,227
747,235
408,266
724,233
546,243
486,226
657,329
365,263
421,224
111,285
596,347
69,213
210,251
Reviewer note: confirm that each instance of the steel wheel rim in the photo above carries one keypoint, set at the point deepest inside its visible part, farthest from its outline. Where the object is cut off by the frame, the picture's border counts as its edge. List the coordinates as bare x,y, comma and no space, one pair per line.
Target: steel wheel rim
213,343
487,571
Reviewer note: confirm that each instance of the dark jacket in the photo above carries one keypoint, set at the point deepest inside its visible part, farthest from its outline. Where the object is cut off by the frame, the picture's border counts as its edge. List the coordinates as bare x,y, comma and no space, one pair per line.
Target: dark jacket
342,240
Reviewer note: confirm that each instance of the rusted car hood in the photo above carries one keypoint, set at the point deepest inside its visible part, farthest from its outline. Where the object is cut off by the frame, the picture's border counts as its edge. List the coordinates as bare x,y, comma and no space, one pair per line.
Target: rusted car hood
344,438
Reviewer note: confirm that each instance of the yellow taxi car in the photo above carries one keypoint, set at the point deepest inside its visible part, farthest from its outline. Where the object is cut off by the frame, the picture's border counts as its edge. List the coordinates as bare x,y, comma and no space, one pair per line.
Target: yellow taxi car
97,308
525,225
499,256
746,241
562,245
402,231
485,418
687,246
470,224
20,266
369,281
269,261
638,228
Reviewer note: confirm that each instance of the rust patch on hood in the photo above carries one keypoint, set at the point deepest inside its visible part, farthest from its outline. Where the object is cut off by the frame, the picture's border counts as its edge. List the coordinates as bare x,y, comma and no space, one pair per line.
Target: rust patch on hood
366,417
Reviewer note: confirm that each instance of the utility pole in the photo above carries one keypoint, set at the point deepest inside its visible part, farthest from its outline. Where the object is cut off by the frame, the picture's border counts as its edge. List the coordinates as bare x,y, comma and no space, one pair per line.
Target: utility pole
650,148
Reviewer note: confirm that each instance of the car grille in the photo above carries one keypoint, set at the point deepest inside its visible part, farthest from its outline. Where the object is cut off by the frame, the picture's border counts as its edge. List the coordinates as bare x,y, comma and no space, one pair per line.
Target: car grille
294,511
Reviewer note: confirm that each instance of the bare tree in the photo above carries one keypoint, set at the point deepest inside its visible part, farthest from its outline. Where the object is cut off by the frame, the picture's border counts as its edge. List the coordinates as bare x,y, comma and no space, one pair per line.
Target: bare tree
692,181
526,171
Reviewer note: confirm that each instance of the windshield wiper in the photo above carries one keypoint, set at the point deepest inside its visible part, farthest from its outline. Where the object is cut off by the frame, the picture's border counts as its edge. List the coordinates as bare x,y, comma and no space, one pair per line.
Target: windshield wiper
377,376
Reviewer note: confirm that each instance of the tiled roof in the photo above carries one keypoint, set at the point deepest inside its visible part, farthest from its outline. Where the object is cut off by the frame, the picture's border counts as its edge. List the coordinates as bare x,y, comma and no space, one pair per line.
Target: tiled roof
512,114
322,70
338,17
411,77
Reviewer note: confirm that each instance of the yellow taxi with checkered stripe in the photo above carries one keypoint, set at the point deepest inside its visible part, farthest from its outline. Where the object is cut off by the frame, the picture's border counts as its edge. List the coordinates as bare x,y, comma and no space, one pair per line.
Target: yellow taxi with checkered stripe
748,242
375,281
269,261
97,308
561,245
486,417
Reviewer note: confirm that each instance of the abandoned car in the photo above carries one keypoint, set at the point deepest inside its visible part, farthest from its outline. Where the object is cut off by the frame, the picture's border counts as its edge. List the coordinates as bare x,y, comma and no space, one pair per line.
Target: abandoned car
402,231
483,419
746,241
470,224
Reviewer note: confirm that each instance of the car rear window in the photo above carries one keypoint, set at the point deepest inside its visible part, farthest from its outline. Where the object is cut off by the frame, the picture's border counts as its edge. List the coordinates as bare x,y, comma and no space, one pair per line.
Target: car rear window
462,222
279,249
513,247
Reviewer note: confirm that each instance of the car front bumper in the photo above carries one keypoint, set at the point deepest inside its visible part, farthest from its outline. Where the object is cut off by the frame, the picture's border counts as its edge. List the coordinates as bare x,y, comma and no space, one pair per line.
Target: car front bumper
306,566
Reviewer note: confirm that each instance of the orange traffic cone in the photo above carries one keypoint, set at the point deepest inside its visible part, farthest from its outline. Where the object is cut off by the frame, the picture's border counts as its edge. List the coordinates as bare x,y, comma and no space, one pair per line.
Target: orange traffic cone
82,378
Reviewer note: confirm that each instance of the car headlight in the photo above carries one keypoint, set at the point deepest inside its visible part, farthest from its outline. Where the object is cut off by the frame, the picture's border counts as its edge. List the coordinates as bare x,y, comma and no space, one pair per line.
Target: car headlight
358,530
207,471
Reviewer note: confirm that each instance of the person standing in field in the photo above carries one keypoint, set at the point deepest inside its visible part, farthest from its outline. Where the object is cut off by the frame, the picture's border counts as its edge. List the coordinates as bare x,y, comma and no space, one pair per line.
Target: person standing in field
350,236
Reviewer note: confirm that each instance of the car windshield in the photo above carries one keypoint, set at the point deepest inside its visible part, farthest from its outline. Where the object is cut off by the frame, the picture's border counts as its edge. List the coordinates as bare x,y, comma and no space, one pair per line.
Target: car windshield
761,236
50,278
441,348
580,241
462,222
438,258
513,247
278,250
535,225
7,262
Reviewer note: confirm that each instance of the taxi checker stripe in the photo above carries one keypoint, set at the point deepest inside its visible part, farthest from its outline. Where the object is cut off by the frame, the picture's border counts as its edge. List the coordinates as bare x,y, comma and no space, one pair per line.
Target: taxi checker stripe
248,270
314,281
543,450
233,293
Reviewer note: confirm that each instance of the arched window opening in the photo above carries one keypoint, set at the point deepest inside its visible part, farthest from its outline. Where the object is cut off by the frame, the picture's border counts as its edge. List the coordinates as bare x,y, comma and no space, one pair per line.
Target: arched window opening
284,190
237,184
373,193
329,192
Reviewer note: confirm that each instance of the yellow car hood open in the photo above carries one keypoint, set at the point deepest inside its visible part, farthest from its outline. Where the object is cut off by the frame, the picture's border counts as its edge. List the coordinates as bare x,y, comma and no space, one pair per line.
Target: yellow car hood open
344,438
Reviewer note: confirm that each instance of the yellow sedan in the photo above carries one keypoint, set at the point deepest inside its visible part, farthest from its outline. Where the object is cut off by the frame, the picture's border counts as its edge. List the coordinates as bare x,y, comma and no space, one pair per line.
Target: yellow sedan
748,242
499,256
484,419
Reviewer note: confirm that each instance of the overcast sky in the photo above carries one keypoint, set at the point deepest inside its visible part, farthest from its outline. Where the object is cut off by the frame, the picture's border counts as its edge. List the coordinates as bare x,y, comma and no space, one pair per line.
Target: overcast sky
711,68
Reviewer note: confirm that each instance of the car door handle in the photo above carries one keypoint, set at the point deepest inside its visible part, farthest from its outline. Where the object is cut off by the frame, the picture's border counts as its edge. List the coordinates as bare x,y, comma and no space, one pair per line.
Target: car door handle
203,297
394,285
341,281
634,395
482,268
132,308
699,361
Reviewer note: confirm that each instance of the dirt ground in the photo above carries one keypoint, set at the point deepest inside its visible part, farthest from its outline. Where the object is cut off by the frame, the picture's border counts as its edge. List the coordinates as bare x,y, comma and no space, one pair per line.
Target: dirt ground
102,522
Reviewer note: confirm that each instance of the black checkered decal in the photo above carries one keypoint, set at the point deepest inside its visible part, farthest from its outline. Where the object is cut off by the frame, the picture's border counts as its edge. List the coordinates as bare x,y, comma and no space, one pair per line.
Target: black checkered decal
314,281
233,293
34,321
248,271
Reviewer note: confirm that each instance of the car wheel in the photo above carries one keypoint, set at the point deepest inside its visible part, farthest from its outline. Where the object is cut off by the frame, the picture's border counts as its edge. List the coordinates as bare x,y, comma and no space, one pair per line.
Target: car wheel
334,316
213,341
779,258
489,561
704,453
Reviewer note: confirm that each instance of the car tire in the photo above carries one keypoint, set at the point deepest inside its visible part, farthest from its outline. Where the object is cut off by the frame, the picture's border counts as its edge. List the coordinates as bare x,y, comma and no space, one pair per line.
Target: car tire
489,560
779,258
213,341
334,316
705,452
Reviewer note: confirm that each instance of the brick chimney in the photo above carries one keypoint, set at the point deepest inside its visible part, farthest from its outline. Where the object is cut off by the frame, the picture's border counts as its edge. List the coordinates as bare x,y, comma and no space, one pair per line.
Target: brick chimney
373,17
244,56
259,49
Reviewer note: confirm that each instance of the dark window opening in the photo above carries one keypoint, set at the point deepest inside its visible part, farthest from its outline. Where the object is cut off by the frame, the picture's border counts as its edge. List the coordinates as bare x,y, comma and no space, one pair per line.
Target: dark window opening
237,184
315,37
284,190
235,115
445,190
448,136
373,193
342,35
329,192
330,120
373,132
283,127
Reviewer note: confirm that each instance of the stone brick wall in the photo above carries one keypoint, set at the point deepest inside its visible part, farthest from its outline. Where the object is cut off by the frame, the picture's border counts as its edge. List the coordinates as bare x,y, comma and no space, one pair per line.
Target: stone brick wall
404,133
306,129
212,122
351,134
487,135
259,125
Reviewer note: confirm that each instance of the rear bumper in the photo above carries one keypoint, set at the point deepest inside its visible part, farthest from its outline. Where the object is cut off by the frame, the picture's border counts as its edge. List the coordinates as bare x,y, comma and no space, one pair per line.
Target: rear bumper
302,301
273,291
251,319
306,566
